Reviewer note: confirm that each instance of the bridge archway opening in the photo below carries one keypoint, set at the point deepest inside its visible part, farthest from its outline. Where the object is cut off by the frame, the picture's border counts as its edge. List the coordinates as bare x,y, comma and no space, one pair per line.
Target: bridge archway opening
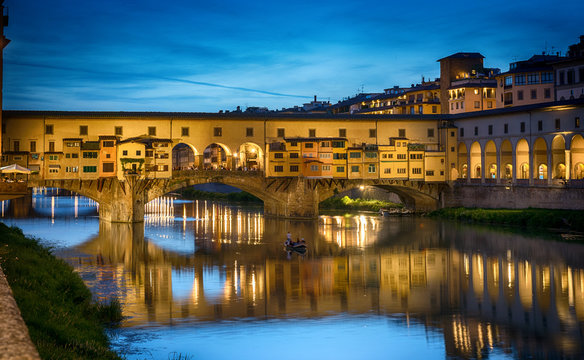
540,159
371,192
559,158
475,160
506,155
185,157
522,158
462,160
217,156
250,156
577,155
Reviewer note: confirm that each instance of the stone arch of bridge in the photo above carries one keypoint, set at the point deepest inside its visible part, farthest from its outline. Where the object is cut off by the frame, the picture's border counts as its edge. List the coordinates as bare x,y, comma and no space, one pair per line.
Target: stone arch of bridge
217,156
249,156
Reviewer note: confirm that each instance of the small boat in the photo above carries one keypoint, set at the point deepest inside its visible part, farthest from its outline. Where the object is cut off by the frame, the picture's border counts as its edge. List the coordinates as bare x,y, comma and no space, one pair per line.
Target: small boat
299,248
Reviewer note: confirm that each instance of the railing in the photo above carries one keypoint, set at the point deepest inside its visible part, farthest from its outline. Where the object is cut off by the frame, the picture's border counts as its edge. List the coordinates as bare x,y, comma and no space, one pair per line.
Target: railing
211,173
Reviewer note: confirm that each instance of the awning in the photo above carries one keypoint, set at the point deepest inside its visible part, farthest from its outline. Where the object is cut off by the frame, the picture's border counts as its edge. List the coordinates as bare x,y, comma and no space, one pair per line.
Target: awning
14,169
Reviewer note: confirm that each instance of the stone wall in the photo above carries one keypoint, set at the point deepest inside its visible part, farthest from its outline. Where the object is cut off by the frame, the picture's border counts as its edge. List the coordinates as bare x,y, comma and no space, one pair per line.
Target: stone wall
513,197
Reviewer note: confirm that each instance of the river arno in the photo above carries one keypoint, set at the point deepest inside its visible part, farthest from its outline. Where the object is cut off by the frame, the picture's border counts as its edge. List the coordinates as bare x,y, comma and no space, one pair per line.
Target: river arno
212,281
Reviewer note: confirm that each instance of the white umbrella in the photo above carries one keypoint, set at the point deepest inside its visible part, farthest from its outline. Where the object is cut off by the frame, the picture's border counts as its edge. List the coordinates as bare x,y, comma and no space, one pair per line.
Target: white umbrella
14,169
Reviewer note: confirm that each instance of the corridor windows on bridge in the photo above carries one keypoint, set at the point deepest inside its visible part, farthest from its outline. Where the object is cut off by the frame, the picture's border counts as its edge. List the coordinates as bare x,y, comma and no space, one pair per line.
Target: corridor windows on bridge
461,132
151,130
522,127
476,130
490,129
342,133
83,130
557,124
281,132
372,133
49,129
577,121
51,146
217,131
16,145
540,125
506,128
184,131
401,133
311,133
118,131
33,146
249,132
430,133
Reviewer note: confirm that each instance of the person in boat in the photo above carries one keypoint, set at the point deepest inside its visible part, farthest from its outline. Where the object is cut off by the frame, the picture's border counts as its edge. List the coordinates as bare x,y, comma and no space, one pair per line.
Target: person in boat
288,239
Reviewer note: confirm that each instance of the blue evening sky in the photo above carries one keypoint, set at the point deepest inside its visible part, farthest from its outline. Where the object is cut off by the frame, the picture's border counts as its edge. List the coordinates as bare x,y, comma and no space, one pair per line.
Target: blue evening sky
190,55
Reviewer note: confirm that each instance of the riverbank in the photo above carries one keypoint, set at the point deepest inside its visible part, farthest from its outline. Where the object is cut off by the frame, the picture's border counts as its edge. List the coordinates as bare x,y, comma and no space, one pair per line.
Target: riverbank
346,203
57,307
529,218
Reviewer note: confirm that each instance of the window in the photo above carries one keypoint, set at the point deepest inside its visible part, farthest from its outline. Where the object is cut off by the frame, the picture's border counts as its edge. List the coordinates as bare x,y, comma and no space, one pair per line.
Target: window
417,171
325,155
293,155
54,157
16,145
249,132
490,129
340,156
338,144
477,104
387,171
325,144
371,155
184,131
570,76
108,167
342,132
401,132
53,171
355,155
150,153
83,130
313,167
278,168
49,129
371,168
557,124
217,131
547,93
401,171
3,128
152,130
89,169
547,77
138,152
522,127
340,169
533,94
434,109
561,76
461,132
107,156
576,123
51,146
326,168
125,152
311,132
118,130
309,145
107,144
506,128
293,168
372,133
401,156
67,156
74,156
476,130
355,169
429,172
278,155
90,155
33,146
281,132
520,79
452,133
540,125
508,81
533,78
430,133
520,95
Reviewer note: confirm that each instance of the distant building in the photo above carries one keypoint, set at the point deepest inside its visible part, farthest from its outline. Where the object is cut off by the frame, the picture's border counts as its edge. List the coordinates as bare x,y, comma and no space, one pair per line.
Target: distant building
569,73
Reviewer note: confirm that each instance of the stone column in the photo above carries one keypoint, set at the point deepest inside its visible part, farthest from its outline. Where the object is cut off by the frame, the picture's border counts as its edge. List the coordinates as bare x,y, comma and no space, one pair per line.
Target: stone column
483,156
532,171
514,165
550,167
498,172
468,168
569,164
123,201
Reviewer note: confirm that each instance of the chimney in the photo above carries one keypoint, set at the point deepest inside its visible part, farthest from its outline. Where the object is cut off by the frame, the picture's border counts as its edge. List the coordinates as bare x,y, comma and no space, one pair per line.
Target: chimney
314,98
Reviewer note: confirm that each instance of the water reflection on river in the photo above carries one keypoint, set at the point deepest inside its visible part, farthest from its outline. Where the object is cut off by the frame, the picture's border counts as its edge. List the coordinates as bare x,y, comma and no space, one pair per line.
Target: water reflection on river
213,281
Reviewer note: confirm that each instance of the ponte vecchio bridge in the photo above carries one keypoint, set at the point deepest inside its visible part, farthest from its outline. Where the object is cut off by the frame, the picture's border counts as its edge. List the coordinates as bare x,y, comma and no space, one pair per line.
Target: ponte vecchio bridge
519,157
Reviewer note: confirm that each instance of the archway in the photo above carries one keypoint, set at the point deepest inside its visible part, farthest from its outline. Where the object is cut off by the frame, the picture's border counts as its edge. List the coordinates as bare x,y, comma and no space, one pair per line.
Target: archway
540,159
491,159
475,160
217,157
506,151
249,157
559,158
522,159
462,160
184,157
577,155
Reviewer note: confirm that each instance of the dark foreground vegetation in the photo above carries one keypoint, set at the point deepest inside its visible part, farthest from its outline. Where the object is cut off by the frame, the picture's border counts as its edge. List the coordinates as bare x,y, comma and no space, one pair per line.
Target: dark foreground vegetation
529,218
63,321
346,203
190,193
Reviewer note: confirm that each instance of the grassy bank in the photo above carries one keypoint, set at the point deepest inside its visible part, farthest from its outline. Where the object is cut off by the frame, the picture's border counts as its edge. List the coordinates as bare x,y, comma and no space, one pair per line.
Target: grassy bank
190,193
63,321
530,218
346,203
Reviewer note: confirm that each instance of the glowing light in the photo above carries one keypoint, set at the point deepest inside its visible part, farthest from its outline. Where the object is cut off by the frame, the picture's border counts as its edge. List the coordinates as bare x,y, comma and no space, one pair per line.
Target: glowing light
362,187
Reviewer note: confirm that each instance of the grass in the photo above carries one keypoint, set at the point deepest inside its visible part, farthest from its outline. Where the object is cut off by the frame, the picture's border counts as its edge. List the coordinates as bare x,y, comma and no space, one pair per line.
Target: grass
346,203
529,218
57,307
190,193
